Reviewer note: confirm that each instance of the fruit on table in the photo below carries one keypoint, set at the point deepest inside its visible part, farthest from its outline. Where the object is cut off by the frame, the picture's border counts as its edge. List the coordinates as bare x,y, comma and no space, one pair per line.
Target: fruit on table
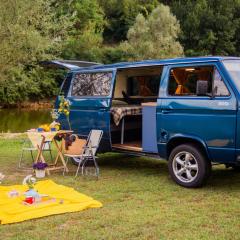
47,127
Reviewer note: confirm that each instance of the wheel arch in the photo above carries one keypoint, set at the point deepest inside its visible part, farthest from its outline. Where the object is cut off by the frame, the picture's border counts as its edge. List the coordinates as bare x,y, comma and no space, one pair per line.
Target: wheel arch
187,139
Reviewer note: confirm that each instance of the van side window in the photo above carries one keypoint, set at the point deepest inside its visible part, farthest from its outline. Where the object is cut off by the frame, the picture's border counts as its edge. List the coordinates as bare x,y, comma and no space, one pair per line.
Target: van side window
220,88
92,84
196,81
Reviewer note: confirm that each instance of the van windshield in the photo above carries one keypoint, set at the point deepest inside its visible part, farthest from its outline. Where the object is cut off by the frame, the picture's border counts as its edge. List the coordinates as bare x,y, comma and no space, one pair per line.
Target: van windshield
233,67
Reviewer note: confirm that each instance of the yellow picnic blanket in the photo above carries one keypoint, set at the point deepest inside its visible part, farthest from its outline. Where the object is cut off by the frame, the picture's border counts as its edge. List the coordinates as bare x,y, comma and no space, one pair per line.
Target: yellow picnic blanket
66,199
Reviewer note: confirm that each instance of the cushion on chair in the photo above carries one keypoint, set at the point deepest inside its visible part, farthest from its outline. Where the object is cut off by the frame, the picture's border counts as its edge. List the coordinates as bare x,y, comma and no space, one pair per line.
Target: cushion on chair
76,148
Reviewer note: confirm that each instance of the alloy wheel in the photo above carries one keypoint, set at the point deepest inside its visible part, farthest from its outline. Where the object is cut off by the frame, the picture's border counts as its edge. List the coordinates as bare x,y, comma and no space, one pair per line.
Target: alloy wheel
185,167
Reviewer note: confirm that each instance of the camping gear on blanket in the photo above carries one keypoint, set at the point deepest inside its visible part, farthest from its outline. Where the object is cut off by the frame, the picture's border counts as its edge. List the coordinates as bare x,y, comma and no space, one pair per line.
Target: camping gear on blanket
32,197
58,199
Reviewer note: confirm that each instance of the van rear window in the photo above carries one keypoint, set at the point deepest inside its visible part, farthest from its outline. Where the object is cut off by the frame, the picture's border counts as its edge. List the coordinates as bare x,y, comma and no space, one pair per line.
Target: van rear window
92,84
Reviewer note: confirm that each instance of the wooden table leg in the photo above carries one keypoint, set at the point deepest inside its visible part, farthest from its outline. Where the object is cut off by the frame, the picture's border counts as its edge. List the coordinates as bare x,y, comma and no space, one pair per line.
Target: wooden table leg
40,150
60,155
40,155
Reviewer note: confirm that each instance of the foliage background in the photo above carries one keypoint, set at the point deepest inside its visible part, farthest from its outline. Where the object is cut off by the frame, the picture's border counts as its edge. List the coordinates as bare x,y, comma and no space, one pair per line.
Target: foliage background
105,31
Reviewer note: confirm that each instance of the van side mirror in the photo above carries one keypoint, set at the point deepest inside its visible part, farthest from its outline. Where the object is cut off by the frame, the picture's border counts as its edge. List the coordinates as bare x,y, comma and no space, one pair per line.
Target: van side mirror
202,88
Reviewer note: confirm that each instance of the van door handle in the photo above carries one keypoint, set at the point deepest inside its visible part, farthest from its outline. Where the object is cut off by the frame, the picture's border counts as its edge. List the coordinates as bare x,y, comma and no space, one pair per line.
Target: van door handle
166,111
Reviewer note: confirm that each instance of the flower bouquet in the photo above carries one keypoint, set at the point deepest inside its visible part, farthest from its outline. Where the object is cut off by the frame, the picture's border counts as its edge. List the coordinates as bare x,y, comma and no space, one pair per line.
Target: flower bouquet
30,181
64,108
39,168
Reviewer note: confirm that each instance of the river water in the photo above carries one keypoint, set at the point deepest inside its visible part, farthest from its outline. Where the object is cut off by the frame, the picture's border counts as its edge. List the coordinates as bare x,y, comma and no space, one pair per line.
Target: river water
18,120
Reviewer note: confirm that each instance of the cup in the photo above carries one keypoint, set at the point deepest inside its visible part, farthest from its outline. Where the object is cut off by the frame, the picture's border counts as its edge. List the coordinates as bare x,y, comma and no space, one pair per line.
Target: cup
29,200
40,129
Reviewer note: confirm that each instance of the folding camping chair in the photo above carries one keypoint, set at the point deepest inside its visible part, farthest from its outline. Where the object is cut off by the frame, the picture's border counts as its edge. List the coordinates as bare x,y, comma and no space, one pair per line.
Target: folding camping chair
87,154
28,147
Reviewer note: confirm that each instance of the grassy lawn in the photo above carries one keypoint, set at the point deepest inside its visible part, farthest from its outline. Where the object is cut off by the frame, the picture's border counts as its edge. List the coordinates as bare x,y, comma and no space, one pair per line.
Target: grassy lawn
140,202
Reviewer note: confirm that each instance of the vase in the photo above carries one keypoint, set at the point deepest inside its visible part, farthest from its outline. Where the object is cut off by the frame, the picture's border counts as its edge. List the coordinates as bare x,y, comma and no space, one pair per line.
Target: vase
40,173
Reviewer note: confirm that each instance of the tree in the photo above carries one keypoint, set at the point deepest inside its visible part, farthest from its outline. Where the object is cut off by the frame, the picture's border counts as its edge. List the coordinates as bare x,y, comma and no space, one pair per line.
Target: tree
85,37
121,14
209,27
29,32
154,37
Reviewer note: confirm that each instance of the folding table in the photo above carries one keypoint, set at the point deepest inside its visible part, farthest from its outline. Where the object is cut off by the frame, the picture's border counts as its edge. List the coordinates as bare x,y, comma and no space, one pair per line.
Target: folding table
39,138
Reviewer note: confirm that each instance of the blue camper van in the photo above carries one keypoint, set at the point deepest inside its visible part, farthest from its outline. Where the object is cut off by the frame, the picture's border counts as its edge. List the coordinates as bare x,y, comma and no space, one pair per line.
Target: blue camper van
185,110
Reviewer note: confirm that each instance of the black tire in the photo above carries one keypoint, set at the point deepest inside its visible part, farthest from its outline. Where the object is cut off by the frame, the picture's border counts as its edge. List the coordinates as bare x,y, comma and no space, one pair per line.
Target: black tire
235,167
188,166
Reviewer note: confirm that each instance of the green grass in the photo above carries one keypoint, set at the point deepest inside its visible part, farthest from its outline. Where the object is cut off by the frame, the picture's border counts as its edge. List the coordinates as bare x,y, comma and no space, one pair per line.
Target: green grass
140,201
